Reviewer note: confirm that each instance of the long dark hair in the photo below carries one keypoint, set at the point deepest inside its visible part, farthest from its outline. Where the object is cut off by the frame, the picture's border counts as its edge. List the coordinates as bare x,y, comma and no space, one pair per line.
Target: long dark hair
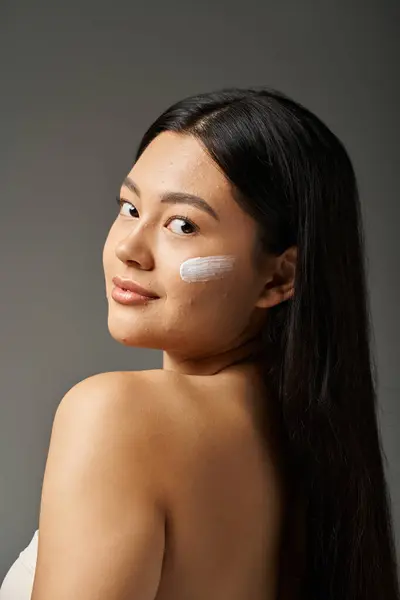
294,176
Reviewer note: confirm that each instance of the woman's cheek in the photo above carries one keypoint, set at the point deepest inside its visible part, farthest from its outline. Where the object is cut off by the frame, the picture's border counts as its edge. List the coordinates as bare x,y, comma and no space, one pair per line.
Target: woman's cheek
206,268
209,283
196,278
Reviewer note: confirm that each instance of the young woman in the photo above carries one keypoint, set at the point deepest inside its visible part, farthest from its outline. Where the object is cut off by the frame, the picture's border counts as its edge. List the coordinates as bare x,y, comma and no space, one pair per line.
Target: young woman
250,467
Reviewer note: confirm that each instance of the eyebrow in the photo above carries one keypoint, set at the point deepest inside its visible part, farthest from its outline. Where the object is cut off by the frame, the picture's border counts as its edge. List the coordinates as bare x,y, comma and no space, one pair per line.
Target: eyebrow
175,198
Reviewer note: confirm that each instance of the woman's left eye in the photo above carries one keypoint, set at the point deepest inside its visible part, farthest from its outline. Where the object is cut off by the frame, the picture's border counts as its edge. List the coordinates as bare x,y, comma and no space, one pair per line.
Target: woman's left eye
184,226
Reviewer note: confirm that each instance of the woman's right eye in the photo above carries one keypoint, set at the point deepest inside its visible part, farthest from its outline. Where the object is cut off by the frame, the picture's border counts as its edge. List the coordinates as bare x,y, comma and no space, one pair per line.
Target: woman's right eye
127,205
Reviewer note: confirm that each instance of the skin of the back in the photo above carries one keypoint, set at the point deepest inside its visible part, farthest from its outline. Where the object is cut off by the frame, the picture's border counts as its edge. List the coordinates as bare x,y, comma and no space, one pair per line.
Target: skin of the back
223,486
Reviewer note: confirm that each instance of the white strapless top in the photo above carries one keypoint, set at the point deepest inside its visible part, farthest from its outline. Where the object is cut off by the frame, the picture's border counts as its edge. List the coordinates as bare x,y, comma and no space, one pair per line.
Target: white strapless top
18,582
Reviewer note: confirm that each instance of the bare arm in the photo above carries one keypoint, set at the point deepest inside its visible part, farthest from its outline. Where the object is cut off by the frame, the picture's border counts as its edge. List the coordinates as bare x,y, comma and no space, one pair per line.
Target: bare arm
101,526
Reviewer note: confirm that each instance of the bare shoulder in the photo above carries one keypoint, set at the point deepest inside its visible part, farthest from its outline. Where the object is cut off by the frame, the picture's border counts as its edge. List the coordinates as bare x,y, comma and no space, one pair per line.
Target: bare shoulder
175,422
141,401
168,411
121,392
150,408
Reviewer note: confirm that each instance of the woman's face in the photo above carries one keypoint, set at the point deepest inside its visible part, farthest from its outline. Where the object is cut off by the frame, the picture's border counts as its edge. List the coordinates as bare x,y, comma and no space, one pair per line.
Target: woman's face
154,234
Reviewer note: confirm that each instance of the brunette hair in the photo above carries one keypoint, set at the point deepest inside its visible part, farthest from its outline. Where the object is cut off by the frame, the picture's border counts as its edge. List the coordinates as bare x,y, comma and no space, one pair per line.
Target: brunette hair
295,178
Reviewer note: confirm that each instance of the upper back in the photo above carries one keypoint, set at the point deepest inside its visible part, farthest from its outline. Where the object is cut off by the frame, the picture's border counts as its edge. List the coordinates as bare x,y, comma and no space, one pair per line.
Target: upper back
224,487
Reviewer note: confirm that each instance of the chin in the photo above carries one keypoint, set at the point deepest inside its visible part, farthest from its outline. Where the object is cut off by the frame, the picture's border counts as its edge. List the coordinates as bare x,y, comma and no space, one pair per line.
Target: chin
128,336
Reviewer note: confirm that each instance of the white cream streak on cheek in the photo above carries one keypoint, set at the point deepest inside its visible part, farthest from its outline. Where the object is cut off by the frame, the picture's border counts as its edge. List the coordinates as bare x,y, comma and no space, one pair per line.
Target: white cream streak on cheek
203,268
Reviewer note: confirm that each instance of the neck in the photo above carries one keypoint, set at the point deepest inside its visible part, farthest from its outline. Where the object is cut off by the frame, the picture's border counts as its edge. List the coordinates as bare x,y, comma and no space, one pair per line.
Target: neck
247,353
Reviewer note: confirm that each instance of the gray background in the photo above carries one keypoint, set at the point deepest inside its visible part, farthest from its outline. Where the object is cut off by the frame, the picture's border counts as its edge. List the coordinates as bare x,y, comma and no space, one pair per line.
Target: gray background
79,83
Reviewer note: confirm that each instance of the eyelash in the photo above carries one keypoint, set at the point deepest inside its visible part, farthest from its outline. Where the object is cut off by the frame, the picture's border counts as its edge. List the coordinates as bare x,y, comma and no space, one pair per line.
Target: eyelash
121,201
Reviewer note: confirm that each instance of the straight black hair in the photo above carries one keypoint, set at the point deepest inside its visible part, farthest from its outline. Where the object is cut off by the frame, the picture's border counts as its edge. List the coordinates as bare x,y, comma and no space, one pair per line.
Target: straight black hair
295,178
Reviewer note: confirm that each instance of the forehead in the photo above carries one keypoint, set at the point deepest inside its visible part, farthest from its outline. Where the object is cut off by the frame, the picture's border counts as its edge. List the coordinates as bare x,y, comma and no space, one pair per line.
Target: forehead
179,162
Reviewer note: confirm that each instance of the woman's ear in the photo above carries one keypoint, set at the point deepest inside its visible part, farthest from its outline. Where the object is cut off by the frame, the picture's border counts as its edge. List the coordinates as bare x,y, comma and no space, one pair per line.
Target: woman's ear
279,284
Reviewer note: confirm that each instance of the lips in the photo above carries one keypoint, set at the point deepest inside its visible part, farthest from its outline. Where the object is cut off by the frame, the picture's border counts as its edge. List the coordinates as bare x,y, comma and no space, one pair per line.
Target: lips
132,286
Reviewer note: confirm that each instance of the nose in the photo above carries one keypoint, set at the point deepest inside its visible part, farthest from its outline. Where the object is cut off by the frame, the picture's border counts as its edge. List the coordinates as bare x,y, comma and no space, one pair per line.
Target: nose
134,249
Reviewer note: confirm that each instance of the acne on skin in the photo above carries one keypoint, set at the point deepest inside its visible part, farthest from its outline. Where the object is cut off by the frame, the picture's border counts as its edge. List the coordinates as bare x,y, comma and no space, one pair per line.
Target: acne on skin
204,268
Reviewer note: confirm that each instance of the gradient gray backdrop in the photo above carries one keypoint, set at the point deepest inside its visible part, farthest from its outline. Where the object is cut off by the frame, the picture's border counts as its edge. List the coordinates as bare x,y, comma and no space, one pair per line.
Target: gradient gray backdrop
80,82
